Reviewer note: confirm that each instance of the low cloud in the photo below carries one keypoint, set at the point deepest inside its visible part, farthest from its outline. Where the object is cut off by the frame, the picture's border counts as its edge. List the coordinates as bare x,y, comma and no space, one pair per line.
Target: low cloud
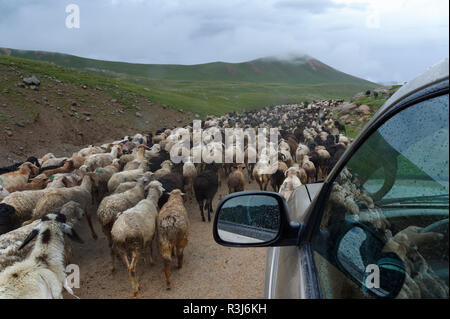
411,35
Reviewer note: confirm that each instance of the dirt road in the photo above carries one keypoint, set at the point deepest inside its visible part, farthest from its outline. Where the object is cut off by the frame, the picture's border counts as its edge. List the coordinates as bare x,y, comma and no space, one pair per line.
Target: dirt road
209,270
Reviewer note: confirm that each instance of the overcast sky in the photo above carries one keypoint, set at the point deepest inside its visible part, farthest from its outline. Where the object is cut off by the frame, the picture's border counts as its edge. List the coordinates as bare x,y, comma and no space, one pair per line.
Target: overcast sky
379,40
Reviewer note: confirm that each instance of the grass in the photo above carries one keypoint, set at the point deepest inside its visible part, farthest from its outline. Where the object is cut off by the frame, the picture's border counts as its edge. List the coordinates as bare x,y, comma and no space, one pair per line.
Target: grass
202,97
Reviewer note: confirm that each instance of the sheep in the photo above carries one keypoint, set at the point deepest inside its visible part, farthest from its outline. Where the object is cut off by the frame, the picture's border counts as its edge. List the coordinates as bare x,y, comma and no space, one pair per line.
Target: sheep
15,167
189,174
54,161
101,177
260,173
112,205
205,188
324,157
39,182
134,230
290,183
278,177
103,159
236,180
170,182
67,167
42,273
309,168
6,214
3,193
123,187
10,242
165,169
301,151
56,197
173,231
90,150
127,176
19,177
139,157
25,201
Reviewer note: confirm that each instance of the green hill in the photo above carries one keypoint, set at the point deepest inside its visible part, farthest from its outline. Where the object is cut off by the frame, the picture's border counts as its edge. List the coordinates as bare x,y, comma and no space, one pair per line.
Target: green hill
300,70
211,88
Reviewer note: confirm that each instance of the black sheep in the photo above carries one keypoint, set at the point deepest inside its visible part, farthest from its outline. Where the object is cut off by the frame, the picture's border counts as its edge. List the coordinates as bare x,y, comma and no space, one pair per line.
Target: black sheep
170,182
6,213
15,167
340,127
154,164
205,187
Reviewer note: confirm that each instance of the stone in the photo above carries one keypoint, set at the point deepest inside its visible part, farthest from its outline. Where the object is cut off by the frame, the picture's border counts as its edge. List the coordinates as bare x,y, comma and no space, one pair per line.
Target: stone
9,133
86,113
138,114
21,124
84,86
197,116
79,132
33,80
347,107
74,103
363,109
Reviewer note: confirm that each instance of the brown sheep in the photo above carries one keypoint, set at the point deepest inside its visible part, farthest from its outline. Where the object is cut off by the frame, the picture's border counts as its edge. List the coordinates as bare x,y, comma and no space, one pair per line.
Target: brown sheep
173,231
309,168
39,182
19,177
236,180
68,167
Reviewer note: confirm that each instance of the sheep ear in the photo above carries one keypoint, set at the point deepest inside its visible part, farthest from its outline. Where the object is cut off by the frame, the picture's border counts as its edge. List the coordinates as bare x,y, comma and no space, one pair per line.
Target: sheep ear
69,231
31,236
162,189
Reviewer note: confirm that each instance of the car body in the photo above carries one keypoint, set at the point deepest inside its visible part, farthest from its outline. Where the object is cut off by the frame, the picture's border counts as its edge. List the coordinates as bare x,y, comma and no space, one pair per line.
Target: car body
399,154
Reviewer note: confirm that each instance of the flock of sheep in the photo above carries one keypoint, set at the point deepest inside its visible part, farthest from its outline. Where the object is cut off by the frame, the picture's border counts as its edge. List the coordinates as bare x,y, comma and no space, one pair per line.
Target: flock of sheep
137,193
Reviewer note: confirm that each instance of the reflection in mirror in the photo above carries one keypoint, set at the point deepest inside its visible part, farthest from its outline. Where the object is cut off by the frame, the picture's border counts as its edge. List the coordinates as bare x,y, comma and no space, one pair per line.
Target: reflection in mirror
249,219
363,257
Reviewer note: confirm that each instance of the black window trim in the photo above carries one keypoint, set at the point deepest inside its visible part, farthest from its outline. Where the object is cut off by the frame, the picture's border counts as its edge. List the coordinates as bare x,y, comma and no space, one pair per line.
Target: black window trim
315,211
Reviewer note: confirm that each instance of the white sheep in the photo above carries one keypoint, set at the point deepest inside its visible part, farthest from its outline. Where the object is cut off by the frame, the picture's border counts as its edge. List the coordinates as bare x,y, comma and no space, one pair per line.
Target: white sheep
166,168
134,230
11,241
56,197
112,205
42,274
290,183
128,176
103,159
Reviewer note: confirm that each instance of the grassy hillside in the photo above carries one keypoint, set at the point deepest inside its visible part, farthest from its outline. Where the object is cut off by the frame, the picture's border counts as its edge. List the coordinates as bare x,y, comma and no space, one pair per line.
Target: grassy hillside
203,97
301,70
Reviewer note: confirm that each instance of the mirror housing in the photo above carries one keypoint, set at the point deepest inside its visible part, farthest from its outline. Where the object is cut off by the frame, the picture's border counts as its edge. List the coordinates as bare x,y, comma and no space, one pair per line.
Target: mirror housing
286,234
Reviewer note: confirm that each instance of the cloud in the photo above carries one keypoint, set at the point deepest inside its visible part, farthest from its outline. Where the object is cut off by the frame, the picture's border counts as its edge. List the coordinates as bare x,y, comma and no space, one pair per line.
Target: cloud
410,36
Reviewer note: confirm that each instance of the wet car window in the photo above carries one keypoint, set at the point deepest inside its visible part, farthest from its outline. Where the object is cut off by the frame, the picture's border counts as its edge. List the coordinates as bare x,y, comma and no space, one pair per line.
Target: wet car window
397,185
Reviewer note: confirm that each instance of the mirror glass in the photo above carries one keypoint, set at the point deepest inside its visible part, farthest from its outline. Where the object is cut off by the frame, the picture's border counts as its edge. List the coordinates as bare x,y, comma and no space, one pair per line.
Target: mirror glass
249,219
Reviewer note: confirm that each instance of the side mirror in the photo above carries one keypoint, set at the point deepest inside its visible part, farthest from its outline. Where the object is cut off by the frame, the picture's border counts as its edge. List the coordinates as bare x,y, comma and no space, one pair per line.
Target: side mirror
360,254
254,219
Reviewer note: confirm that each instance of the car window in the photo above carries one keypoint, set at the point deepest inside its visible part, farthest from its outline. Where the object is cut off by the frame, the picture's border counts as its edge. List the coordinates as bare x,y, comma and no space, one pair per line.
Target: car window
397,185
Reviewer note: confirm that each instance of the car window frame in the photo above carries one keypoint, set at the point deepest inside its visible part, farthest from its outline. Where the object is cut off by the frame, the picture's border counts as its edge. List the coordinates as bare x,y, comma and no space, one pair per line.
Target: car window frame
315,211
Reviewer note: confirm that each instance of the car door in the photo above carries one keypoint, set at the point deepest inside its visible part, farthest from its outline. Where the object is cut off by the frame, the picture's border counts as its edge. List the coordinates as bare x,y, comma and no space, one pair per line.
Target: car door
395,184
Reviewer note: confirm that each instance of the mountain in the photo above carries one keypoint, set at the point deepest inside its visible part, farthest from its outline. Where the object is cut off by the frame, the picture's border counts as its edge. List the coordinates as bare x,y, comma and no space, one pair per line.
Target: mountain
296,70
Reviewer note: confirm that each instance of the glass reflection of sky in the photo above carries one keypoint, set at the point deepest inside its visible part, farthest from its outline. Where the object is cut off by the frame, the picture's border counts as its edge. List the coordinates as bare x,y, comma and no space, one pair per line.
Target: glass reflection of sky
251,201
